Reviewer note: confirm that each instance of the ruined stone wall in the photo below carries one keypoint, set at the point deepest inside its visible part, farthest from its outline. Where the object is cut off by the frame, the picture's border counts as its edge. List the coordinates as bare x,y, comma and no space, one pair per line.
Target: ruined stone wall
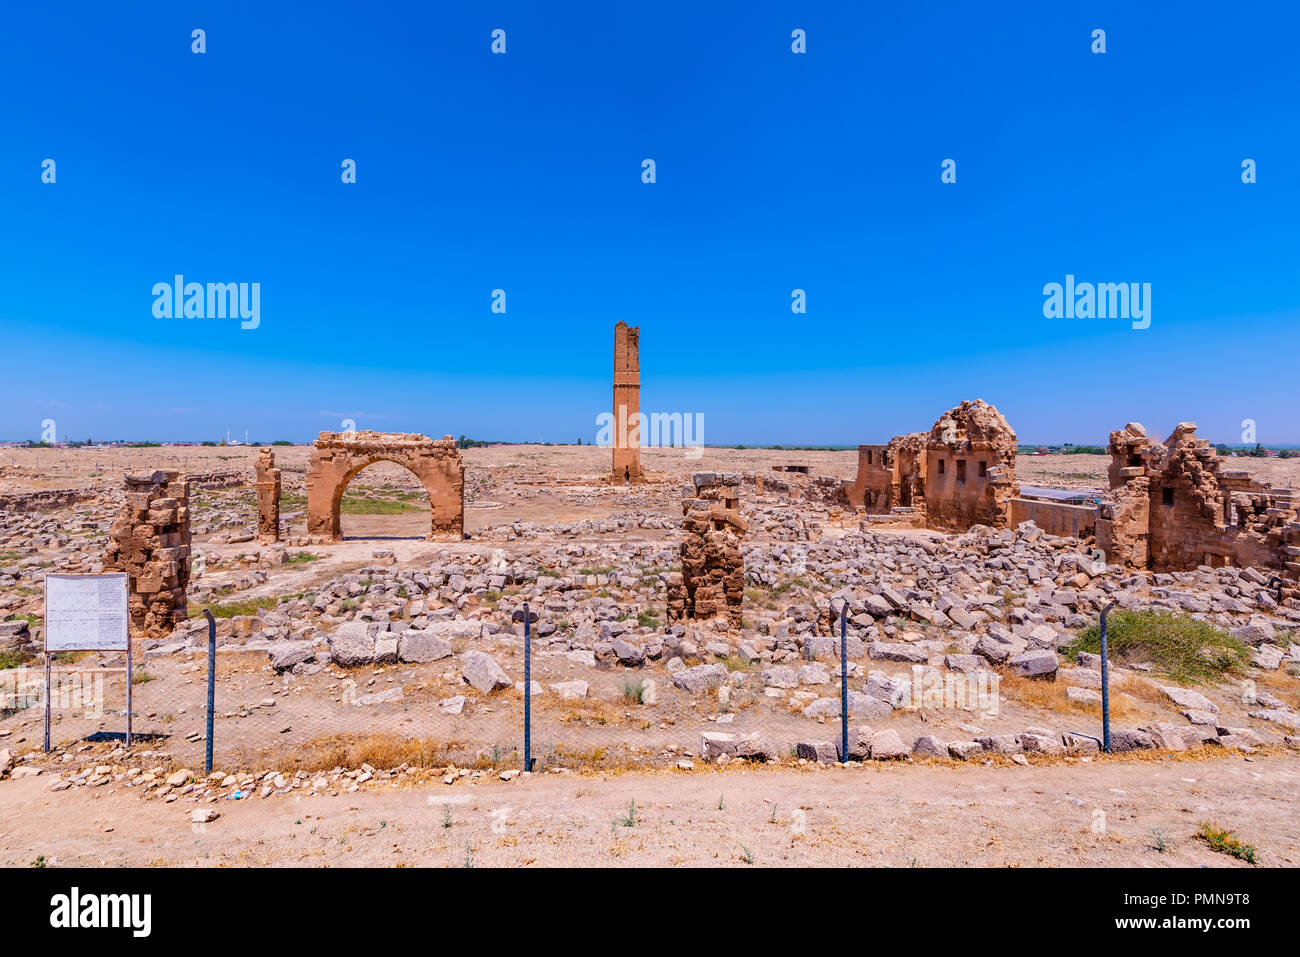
46,499
970,462
268,497
150,541
875,482
336,457
1124,524
1187,506
1054,518
712,579
627,405
890,476
1172,507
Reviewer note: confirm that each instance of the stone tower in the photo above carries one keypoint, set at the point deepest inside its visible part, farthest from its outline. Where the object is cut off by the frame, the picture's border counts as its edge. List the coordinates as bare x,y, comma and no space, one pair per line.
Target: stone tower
627,405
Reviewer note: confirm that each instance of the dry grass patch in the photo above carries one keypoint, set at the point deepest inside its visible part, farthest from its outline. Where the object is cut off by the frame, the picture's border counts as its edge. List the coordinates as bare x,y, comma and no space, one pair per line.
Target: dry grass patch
382,751
1226,842
1051,696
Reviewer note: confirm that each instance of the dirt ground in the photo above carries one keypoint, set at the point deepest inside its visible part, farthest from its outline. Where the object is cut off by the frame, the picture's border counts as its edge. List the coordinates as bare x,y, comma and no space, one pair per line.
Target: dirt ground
1110,813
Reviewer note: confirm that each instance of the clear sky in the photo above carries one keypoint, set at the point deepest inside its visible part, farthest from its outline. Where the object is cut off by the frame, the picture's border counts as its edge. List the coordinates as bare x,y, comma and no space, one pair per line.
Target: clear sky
523,172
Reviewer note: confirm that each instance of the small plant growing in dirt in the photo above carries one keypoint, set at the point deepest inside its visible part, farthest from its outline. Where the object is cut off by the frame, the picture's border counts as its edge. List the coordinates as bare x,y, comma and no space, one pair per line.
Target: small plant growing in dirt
747,855
446,815
1226,842
633,691
1160,841
628,819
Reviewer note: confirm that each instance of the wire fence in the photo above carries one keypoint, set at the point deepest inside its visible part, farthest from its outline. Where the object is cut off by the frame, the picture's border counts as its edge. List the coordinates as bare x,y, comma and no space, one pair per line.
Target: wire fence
455,695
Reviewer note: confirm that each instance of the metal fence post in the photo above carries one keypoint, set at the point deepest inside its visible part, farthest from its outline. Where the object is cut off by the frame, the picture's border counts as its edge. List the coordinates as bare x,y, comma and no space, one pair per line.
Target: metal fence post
844,683
528,690
1105,683
48,659
212,685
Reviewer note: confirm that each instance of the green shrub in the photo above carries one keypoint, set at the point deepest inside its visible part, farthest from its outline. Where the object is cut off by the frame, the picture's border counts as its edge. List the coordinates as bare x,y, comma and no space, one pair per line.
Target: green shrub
1175,644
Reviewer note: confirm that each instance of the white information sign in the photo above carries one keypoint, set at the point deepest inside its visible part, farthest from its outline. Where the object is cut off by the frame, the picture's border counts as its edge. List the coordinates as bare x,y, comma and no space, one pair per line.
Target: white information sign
85,612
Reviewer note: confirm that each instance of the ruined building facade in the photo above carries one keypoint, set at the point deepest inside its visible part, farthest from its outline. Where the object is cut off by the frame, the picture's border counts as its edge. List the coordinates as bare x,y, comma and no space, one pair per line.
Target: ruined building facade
712,579
1172,506
960,473
150,541
626,467
268,497
336,457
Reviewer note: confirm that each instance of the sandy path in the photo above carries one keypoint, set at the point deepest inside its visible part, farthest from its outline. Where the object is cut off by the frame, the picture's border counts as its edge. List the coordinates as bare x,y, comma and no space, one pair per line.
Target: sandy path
895,815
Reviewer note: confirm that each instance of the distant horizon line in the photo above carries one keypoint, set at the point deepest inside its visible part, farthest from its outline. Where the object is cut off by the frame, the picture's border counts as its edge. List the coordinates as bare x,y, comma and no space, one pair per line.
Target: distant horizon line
773,446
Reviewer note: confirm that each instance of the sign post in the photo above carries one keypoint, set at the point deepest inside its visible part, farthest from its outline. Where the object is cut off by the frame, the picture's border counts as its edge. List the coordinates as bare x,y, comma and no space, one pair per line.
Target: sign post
86,613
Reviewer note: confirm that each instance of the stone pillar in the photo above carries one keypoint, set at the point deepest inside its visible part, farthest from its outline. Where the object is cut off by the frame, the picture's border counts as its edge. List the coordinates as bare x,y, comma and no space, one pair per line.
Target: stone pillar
150,541
268,497
712,579
627,405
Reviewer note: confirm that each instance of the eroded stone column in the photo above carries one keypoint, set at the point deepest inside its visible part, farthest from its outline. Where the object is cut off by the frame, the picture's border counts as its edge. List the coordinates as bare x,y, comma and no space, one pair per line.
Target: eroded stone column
268,497
712,579
150,541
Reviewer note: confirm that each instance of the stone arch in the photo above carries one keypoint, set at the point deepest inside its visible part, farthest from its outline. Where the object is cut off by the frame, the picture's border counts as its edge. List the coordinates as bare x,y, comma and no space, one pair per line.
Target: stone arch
337,457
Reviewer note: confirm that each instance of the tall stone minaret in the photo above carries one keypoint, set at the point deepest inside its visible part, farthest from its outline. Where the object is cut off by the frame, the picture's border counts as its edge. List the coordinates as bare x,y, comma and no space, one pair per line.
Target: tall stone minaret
627,404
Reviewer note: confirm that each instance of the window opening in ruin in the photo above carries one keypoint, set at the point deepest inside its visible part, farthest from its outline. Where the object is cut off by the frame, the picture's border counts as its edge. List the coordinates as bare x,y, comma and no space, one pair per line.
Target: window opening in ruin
941,463
1167,495
984,469
961,470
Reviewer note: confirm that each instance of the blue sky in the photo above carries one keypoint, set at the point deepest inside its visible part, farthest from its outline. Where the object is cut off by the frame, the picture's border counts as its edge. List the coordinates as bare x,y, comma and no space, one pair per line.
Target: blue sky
522,171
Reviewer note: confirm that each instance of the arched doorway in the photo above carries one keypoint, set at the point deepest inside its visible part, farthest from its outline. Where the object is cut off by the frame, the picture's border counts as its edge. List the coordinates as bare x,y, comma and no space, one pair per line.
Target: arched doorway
338,457
382,500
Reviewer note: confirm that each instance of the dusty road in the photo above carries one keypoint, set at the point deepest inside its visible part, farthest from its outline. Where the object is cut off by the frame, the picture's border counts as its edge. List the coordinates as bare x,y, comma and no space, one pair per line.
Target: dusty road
1110,813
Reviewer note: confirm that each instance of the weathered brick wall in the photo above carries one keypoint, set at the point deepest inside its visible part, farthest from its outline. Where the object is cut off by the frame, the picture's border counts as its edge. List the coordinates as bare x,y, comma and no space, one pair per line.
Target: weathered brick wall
1124,524
874,485
150,541
712,579
1173,507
